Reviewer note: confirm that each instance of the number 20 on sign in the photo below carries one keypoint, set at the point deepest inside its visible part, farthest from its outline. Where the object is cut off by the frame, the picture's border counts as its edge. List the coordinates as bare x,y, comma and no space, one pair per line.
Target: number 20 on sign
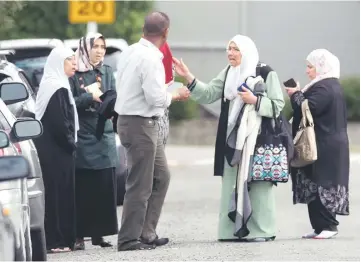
102,12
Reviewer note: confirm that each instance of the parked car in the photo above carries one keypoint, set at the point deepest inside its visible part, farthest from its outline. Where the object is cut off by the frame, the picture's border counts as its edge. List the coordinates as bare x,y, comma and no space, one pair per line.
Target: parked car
114,49
9,73
14,193
30,55
7,228
7,236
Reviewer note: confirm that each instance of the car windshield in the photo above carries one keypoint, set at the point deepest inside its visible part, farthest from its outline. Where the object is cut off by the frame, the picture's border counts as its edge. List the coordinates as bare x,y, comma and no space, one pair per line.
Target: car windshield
32,61
33,68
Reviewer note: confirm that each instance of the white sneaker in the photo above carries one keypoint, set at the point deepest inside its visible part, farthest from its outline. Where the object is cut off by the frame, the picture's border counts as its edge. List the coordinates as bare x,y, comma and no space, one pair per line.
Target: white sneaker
326,234
310,235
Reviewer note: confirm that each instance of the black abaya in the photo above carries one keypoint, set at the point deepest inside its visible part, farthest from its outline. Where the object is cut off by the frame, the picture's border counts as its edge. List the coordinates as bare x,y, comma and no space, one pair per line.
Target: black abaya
56,149
96,202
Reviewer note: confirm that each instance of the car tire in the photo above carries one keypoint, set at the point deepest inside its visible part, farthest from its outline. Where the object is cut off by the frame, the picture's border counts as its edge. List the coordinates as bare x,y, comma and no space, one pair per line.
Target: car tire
38,244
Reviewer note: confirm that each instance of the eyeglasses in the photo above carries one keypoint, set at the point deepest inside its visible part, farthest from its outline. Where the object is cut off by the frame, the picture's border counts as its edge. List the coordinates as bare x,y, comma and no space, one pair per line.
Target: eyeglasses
232,49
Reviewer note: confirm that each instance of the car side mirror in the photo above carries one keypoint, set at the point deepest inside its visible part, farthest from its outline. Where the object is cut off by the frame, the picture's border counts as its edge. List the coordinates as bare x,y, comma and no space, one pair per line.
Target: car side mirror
4,139
13,167
12,93
25,129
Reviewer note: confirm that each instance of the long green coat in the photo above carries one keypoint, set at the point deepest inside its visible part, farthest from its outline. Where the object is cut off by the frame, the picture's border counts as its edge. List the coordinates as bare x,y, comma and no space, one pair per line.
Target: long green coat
91,153
262,223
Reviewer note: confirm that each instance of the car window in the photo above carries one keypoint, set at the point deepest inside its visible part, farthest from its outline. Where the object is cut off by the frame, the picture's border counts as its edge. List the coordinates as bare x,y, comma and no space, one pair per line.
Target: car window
111,57
33,68
24,78
4,78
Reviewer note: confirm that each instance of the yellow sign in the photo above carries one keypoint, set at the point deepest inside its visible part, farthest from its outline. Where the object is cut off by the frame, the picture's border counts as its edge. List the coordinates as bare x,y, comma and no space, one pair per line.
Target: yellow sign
102,12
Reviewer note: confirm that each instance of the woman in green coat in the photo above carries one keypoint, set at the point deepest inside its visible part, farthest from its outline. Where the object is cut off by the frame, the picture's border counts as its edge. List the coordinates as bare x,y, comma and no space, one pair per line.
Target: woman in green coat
95,181
258,215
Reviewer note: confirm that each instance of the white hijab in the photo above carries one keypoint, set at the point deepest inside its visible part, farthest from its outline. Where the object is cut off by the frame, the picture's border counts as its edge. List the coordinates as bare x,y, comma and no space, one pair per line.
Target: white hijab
237,75
53,79
327,66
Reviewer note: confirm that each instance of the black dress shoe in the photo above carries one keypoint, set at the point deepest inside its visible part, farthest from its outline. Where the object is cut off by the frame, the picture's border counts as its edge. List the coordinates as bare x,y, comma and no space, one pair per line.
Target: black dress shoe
135,246
157,242
100,242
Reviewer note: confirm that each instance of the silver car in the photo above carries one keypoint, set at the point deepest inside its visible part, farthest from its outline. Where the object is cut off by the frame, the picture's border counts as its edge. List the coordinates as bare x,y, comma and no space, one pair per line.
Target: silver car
14,192
9,73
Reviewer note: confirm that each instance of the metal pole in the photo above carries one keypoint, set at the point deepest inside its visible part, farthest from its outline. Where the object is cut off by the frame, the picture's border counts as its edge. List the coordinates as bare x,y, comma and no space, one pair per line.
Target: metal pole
92,27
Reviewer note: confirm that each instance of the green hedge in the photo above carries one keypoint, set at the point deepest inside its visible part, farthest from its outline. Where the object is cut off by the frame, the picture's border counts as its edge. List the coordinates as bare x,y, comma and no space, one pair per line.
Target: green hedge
183,110
351,86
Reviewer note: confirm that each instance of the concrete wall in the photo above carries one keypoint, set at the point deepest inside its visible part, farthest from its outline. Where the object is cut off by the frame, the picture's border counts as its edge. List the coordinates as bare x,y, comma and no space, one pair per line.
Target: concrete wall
284,32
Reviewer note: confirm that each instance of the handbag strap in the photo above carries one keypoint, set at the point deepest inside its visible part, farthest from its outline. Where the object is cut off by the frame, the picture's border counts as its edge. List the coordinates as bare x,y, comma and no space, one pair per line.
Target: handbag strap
267,127
307,119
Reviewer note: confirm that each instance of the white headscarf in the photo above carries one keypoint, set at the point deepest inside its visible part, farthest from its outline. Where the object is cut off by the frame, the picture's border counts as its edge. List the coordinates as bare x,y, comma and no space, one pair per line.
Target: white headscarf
237,75
82,54
53,79
327,65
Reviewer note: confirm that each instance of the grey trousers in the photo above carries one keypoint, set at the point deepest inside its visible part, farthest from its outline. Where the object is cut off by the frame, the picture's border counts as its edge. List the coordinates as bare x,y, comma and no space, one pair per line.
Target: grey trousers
147,181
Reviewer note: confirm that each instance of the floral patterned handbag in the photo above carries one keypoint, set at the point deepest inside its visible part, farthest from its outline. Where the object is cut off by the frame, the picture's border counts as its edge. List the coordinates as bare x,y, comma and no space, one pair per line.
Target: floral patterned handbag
270,162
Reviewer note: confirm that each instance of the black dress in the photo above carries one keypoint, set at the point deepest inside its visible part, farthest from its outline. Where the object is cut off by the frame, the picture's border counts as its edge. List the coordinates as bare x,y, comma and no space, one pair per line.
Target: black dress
324,184
56,149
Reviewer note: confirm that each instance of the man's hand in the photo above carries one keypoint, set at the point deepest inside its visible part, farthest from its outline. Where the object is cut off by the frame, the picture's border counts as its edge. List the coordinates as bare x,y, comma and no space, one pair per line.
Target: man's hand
247,96
184,93
181,94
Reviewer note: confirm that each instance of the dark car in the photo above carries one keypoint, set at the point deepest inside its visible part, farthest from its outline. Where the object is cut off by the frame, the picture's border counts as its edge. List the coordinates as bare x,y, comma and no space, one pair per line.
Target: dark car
9,73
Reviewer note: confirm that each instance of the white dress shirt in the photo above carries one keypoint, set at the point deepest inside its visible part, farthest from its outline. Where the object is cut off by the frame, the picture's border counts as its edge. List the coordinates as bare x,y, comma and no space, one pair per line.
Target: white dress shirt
140,81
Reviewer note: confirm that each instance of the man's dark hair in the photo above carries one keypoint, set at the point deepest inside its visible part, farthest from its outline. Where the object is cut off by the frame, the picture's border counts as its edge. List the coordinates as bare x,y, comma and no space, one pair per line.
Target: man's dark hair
155,24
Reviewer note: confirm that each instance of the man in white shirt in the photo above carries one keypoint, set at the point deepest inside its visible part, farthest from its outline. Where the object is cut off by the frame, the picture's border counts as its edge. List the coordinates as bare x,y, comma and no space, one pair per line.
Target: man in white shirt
141,99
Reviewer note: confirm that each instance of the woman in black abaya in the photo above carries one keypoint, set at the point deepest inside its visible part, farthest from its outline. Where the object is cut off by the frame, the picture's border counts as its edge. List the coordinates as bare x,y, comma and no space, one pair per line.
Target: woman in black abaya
55,108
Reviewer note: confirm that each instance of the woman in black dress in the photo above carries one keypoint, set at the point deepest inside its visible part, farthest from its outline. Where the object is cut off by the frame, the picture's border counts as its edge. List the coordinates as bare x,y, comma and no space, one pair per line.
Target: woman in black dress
323,185
55,108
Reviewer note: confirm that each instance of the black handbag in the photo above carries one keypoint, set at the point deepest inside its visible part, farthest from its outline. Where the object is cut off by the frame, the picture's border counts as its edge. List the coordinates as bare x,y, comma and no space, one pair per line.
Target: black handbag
270,158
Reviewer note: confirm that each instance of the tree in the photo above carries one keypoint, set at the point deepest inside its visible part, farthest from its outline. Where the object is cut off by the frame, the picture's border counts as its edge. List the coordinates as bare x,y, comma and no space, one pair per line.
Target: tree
40,19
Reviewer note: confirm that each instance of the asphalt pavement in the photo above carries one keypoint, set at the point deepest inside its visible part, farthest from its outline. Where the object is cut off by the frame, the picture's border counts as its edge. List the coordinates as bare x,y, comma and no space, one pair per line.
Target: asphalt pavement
190,217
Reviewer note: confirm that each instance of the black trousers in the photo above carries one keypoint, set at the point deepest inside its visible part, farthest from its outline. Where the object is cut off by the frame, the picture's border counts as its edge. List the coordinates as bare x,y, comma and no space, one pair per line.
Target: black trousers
320,217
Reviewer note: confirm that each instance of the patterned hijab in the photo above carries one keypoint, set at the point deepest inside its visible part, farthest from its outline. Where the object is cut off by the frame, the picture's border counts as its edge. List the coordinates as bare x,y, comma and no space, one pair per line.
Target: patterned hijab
327,65
82,54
